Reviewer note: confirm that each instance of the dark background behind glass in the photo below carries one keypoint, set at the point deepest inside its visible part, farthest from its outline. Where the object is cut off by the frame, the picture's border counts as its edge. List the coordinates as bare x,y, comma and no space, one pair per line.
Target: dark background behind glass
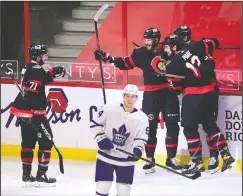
41,15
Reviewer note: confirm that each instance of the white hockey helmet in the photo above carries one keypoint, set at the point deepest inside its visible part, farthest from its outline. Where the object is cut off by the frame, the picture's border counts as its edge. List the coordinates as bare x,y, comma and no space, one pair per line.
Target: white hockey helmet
130,89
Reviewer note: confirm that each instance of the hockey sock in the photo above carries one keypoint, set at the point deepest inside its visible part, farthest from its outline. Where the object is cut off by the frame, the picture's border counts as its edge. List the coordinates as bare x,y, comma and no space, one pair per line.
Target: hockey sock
213,151
150,147
194,148
193,143
27,159
171,140
212,130
219,142
44,160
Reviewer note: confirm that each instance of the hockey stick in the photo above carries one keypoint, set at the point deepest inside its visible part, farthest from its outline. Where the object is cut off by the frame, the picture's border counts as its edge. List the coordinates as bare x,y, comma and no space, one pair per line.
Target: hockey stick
213,80
236,48
192,177
15,82
96,18
136,44
61,165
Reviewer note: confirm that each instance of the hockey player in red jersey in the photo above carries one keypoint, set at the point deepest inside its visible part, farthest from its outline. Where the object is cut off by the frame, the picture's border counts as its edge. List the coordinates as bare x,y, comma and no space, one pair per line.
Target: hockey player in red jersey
197,65
185,34
156,95
30,109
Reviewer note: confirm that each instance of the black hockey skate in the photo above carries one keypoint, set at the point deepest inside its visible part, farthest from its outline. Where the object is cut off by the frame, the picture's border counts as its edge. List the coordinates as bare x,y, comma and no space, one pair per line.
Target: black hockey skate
228,163
173,163
28,180
193,167
42,180
213,165
148,167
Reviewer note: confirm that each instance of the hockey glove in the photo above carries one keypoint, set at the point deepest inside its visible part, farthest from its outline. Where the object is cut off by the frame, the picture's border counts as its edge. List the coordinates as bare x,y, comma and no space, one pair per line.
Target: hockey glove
104,143
137,154
104,56
57,71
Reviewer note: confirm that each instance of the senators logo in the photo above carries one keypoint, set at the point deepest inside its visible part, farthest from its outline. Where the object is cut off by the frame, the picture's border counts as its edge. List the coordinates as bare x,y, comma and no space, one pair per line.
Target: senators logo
161,65
158,64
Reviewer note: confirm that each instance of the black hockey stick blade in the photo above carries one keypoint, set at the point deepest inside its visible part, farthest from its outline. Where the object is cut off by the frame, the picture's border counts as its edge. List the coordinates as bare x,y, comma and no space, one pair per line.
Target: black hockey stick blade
44,128
192,177
61,165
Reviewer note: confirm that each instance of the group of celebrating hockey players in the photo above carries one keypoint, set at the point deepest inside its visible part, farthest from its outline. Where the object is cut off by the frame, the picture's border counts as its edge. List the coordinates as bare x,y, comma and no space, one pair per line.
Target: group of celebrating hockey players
122,125
182,66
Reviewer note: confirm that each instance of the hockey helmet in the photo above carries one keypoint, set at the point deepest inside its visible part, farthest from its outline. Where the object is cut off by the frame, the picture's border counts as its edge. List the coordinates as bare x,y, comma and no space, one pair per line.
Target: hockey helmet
152,33
173,40
183,31
36,50
130,89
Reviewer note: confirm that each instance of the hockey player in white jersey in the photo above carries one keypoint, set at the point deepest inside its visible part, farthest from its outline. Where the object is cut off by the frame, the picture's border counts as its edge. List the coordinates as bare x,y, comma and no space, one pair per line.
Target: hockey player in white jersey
119,125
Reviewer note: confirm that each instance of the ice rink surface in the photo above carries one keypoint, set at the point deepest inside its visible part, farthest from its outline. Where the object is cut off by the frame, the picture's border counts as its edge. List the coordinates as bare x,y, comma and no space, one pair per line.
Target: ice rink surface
79,180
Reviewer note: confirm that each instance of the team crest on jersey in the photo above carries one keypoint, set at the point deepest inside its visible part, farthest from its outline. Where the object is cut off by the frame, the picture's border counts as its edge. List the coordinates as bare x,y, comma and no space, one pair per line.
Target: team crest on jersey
120,136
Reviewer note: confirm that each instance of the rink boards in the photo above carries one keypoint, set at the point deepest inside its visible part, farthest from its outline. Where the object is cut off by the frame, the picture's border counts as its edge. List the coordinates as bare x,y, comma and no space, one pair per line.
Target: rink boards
71,128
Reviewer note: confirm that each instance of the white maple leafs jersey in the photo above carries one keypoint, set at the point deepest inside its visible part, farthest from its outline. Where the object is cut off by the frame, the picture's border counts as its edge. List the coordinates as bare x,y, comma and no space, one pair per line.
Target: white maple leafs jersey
125,130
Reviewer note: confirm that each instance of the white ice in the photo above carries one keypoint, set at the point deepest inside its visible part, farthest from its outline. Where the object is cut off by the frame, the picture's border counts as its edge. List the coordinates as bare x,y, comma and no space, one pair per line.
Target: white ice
79,180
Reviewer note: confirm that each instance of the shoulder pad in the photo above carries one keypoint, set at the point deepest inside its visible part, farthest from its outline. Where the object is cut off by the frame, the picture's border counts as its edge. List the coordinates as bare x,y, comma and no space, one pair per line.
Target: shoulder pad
29,65
139,49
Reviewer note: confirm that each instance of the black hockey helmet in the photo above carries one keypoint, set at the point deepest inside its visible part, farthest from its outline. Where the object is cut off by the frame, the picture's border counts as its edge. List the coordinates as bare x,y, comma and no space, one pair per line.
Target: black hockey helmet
36,50
183,31
173,40
152,33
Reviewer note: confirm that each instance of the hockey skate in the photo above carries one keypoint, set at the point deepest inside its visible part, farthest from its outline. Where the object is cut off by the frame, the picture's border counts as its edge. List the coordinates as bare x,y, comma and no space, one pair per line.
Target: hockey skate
213,165
28,180
193,167
42,180
173,163
148,167
228,163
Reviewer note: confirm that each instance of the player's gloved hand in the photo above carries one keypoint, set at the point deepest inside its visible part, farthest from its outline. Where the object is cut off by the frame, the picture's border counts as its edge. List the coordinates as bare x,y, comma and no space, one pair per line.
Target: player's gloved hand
102,55
137,154
105,143
57,71
215,40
